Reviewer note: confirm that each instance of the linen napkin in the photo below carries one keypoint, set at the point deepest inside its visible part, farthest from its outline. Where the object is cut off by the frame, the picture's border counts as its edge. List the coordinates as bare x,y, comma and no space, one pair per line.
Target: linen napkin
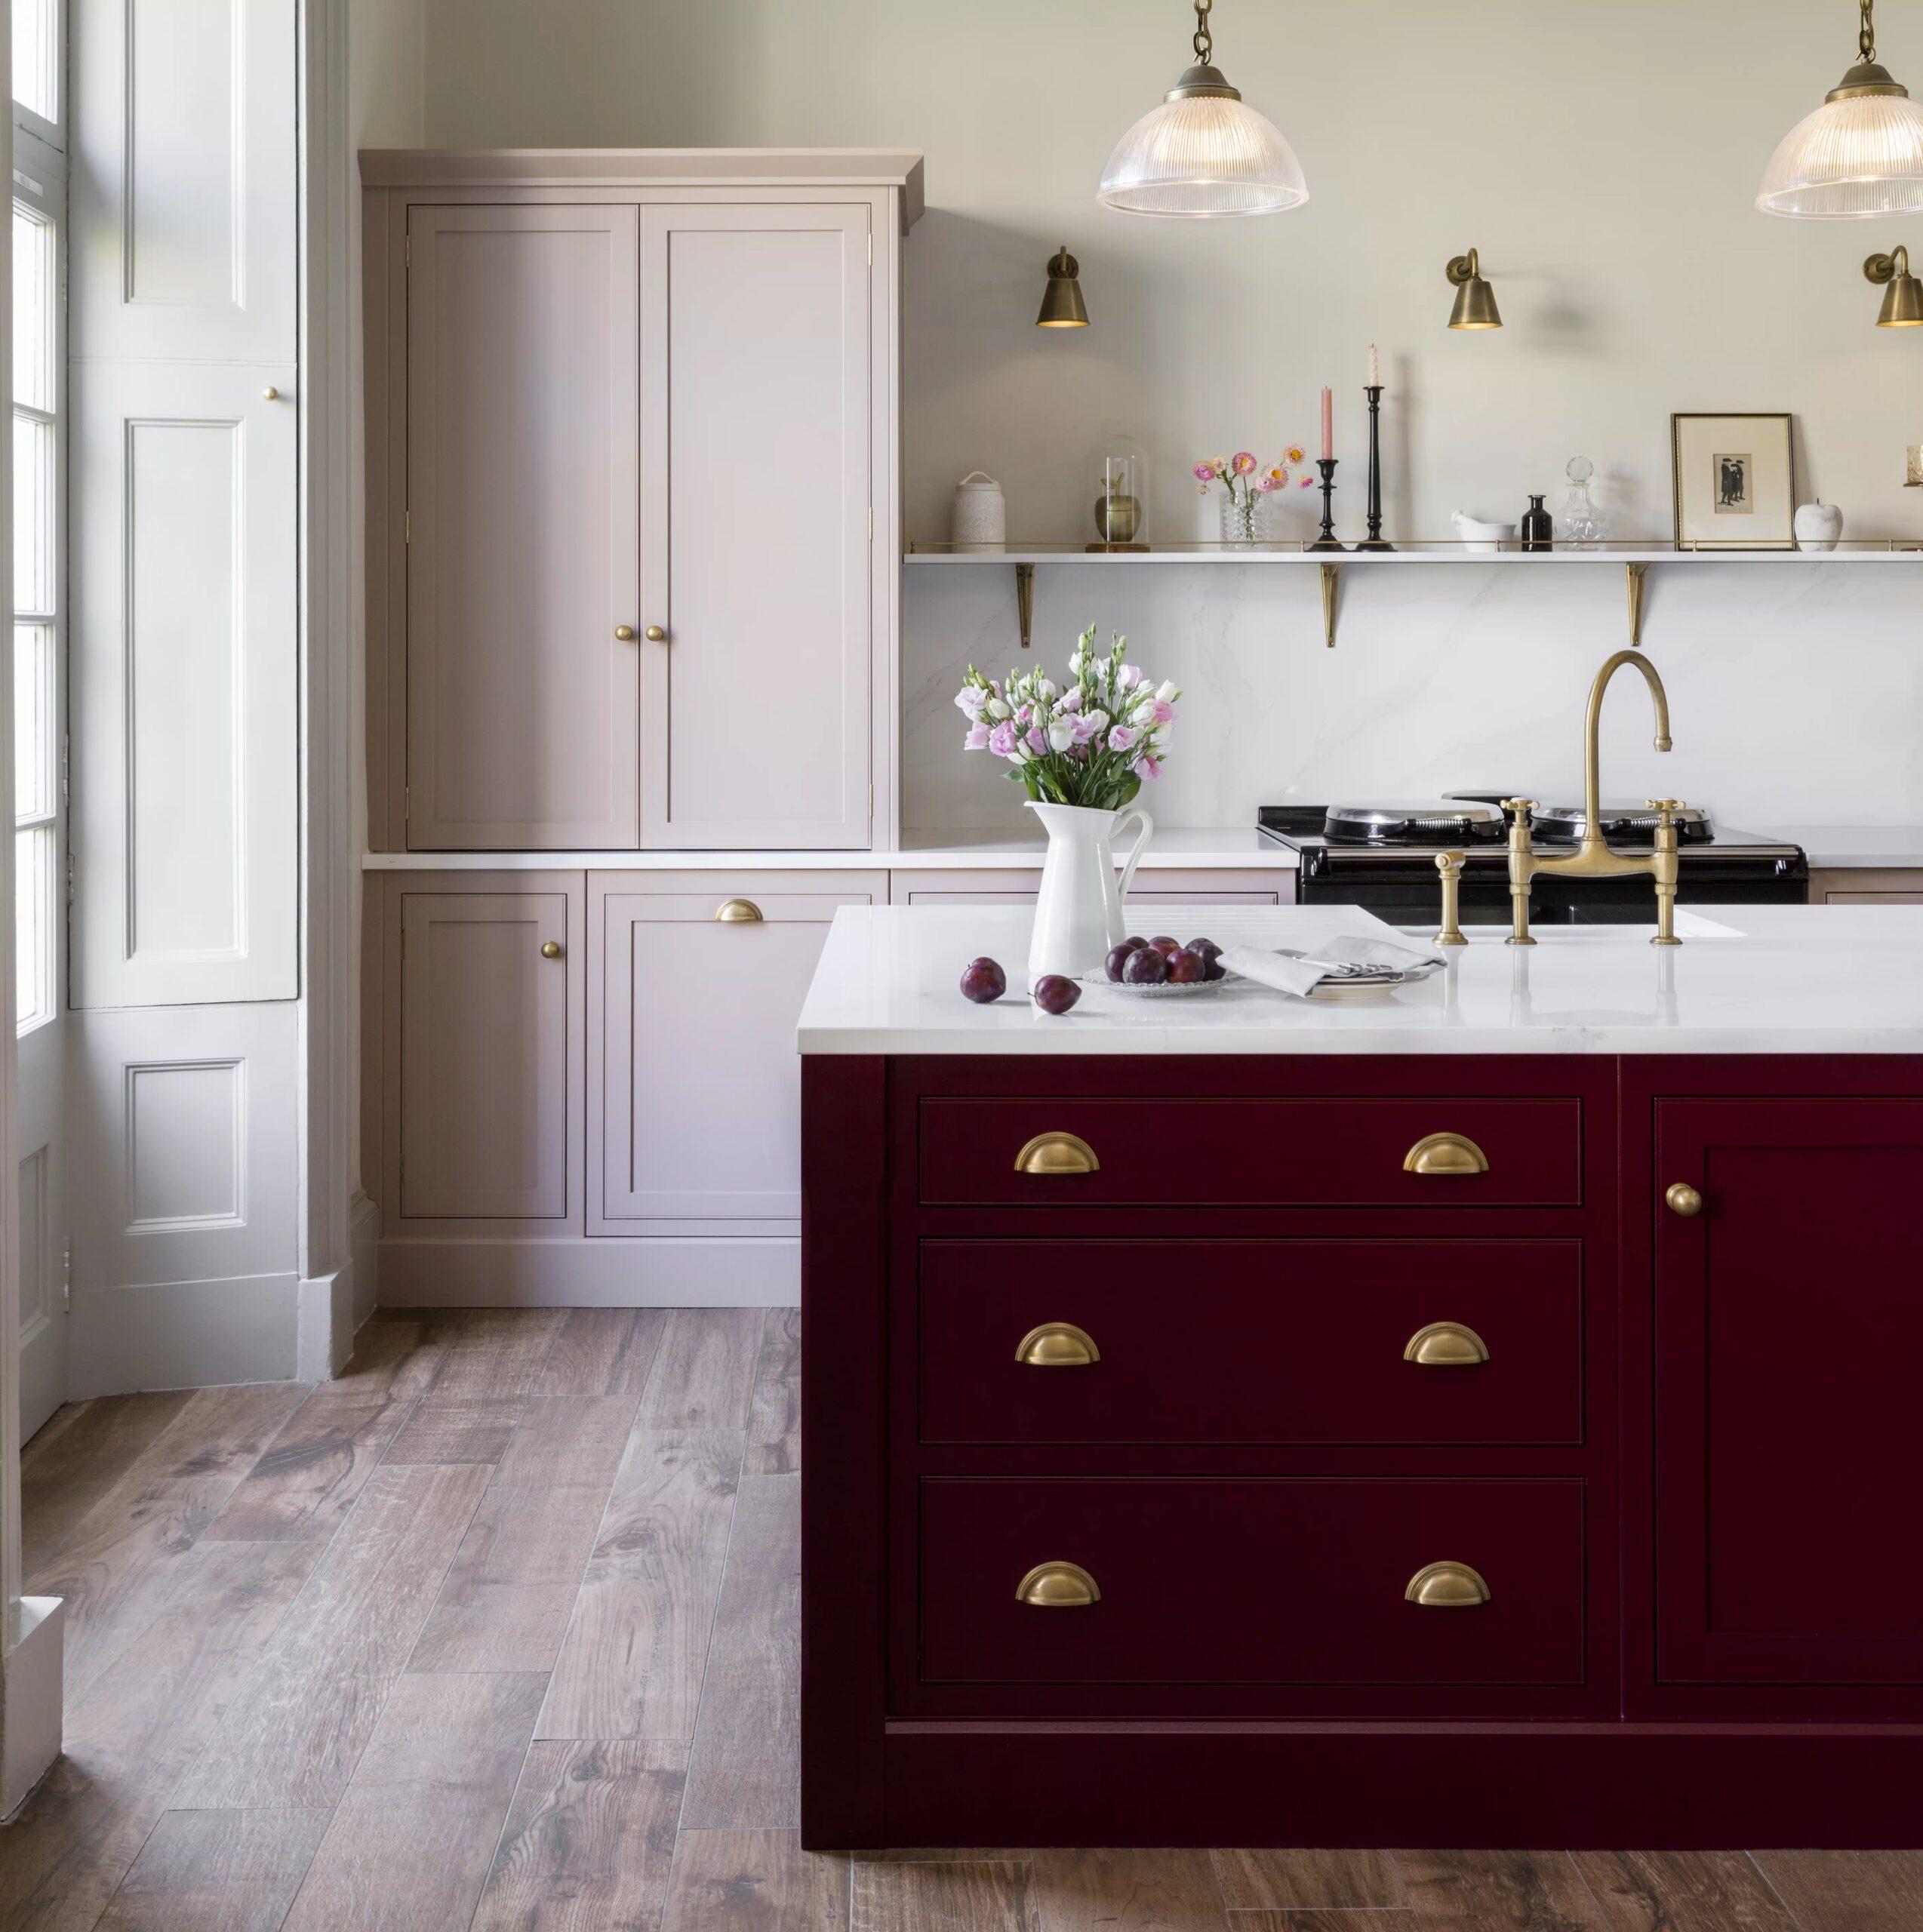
1301,977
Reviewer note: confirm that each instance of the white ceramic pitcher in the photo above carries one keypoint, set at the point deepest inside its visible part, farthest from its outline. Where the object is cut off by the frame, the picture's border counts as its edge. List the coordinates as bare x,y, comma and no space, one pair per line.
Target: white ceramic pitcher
1079,917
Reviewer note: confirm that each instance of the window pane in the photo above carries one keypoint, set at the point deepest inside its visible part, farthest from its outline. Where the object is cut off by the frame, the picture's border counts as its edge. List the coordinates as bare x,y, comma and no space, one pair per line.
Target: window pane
33,923
33,721
33,515
33,309
36,70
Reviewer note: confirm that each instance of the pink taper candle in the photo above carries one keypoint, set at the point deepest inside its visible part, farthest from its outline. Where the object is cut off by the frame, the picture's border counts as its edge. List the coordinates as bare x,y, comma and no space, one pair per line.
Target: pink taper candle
1329,425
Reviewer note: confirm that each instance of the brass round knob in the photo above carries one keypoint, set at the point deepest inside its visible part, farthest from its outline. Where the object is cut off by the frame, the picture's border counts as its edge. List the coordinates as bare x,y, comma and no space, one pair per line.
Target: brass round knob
1681,1198
1058,1587
654,634
270,394
624,633
551,948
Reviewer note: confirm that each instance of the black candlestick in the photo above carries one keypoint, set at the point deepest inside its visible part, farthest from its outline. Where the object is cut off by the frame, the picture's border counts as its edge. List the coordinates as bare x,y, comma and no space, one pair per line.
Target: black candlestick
1327,541
1375,539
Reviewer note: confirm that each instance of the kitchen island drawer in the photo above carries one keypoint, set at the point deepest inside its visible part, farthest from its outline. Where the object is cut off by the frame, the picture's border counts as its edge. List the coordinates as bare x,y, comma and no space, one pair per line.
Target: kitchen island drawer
1229,1341
1477,1151
1271,1581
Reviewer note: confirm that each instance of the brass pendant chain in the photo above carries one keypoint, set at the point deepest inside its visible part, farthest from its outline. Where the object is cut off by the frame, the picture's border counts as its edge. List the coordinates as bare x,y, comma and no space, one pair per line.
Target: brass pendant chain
1204,47
1866,37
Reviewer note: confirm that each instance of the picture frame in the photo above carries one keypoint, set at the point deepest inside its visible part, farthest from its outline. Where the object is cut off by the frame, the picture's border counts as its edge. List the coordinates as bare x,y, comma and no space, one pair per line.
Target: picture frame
1733,480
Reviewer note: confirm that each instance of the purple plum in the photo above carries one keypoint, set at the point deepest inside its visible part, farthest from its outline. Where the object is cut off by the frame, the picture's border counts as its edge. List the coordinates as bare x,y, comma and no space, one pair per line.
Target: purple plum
1186,968
983,980
1211,956
1055,995
1165,945
1120,957
1147,967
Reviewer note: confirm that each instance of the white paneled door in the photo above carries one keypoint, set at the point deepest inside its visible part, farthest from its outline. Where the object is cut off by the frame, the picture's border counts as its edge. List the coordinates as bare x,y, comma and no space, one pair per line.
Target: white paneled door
756,523
184,820
522,511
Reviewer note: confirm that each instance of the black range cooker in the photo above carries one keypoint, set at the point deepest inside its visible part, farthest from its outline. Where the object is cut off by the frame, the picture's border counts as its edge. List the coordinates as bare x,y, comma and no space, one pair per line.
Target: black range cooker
1382,857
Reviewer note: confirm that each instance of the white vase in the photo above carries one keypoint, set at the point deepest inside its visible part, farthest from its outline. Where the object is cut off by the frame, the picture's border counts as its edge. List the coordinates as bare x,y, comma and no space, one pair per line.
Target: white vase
1078,917
1818,526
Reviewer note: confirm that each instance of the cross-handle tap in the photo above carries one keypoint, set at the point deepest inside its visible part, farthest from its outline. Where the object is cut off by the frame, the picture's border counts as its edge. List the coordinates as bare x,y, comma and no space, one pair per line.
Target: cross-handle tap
1594,857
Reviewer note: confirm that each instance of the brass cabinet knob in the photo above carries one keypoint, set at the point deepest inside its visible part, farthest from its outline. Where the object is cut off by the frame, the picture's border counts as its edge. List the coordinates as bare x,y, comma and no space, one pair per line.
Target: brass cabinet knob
1446,1344
550,949
1445,1154
738,912
270,394
1447,1586
1057,1345
1681,1198
1058,1587
654,634
1057,1154
624,633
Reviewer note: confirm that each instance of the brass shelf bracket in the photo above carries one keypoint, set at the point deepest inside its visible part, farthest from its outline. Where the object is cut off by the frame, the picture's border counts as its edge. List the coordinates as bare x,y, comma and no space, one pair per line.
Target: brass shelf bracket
1331,574
1025,601
1637,572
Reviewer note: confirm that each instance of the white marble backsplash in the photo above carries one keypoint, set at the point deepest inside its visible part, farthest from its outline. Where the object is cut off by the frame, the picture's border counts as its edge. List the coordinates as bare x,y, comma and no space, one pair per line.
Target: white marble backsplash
1795,688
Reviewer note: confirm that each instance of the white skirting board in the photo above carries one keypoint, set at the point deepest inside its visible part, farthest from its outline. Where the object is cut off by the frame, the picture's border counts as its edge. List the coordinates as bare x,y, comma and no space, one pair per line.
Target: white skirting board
31,1645
182,1335
600,1273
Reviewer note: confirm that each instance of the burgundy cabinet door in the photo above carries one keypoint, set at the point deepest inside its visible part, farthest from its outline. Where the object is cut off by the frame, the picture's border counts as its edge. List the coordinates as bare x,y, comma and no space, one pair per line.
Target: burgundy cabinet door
1789,1457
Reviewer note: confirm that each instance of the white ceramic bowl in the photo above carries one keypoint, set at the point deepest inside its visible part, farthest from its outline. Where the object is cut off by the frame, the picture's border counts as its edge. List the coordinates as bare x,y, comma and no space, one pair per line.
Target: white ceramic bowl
1480,536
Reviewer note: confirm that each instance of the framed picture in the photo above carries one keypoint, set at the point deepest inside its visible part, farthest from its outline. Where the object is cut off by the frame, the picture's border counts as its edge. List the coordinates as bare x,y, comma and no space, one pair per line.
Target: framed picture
1734,481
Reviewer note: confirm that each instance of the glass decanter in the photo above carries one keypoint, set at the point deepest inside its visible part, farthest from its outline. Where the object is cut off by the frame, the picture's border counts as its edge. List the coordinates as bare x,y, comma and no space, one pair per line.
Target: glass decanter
1578,522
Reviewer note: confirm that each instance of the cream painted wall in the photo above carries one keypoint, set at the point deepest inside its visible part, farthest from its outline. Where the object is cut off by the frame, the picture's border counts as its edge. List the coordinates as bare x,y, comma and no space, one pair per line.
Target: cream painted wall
1603,154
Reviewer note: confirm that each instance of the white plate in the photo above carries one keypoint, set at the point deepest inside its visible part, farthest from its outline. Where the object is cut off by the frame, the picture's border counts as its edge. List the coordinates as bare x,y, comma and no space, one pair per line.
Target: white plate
1163,991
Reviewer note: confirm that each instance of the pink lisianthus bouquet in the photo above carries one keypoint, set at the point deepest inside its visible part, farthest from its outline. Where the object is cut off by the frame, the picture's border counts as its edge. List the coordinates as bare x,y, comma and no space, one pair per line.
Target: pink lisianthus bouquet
1090,742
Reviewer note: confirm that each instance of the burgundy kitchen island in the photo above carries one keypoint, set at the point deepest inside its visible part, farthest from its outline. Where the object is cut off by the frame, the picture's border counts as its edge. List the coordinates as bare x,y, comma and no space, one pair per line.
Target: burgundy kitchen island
1486,1416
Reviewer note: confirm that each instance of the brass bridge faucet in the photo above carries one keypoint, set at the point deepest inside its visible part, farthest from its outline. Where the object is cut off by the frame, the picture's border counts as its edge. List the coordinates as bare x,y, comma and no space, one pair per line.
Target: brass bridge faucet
1594,857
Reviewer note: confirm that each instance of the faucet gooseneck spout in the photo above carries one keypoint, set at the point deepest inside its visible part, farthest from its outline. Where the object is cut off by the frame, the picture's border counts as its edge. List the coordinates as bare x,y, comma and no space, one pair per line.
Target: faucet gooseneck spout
1593,734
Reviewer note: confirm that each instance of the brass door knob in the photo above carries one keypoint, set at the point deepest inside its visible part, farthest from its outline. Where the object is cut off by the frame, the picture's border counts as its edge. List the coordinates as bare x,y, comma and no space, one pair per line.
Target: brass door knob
1445,1154
1057,1154
550,949
1446,1344
624,633
1057,1345
654,634
1447,1586
1681,1198
1058,1587
738,912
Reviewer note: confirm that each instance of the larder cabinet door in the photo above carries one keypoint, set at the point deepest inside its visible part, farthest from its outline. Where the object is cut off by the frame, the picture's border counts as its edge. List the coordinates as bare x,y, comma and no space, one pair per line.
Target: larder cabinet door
756,427
490,1030
523,504
694,1080
1788,1462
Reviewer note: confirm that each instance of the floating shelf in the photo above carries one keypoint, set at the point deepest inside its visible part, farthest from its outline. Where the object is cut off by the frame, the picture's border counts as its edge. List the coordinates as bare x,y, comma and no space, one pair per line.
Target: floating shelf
1636,557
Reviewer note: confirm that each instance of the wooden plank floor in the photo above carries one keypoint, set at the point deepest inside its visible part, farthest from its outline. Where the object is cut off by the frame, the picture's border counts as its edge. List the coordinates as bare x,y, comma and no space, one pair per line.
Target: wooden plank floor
499,1631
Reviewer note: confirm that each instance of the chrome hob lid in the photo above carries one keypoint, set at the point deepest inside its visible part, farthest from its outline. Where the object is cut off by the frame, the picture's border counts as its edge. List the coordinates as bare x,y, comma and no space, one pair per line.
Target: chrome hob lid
1434,822
1560,823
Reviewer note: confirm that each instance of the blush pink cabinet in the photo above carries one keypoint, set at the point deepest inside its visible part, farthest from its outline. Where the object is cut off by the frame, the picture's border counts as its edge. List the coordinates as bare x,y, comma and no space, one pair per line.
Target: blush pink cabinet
695,982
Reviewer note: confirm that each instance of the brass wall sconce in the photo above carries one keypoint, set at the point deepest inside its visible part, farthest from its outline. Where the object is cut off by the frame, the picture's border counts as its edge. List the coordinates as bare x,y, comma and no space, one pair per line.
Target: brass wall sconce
1475,300
1903,297
1062,305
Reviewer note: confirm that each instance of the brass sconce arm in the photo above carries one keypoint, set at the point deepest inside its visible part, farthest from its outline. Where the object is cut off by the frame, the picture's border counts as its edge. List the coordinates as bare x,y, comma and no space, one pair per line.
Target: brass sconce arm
1475,300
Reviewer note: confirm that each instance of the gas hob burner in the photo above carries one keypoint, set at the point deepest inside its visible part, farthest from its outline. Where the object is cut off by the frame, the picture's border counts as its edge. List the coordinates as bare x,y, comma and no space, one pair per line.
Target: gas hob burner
1438,822
1563,825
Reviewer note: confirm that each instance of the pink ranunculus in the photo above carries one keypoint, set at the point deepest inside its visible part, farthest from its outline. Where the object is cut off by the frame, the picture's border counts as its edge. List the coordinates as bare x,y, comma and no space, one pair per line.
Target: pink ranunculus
1145,766
1122,737
1244,462
1038,741
977,739
1204,472
1001,741
1164,712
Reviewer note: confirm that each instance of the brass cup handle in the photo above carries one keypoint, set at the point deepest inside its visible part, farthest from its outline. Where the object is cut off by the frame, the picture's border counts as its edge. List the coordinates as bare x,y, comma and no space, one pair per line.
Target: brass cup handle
550,949
1445,1154
1681,1198
1057,1345
624,633
1446,1344
1447,1586
1058,1587
738,912
654,634
1057,1153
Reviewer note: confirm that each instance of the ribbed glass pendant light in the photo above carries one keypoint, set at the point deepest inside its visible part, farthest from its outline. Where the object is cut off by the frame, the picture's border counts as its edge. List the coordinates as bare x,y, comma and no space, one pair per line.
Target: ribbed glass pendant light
1204,152
1859,154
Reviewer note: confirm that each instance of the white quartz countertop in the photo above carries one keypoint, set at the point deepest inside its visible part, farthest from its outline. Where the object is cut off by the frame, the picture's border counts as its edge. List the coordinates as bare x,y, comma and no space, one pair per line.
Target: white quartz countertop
1866,846
1754,979
1187,848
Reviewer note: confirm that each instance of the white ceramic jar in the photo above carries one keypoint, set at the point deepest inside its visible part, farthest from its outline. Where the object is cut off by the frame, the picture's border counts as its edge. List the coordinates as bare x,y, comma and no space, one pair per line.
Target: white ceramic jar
981,514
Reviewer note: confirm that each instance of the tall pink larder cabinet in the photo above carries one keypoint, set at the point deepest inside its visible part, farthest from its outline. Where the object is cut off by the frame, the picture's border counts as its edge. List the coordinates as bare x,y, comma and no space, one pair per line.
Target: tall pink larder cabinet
633,545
